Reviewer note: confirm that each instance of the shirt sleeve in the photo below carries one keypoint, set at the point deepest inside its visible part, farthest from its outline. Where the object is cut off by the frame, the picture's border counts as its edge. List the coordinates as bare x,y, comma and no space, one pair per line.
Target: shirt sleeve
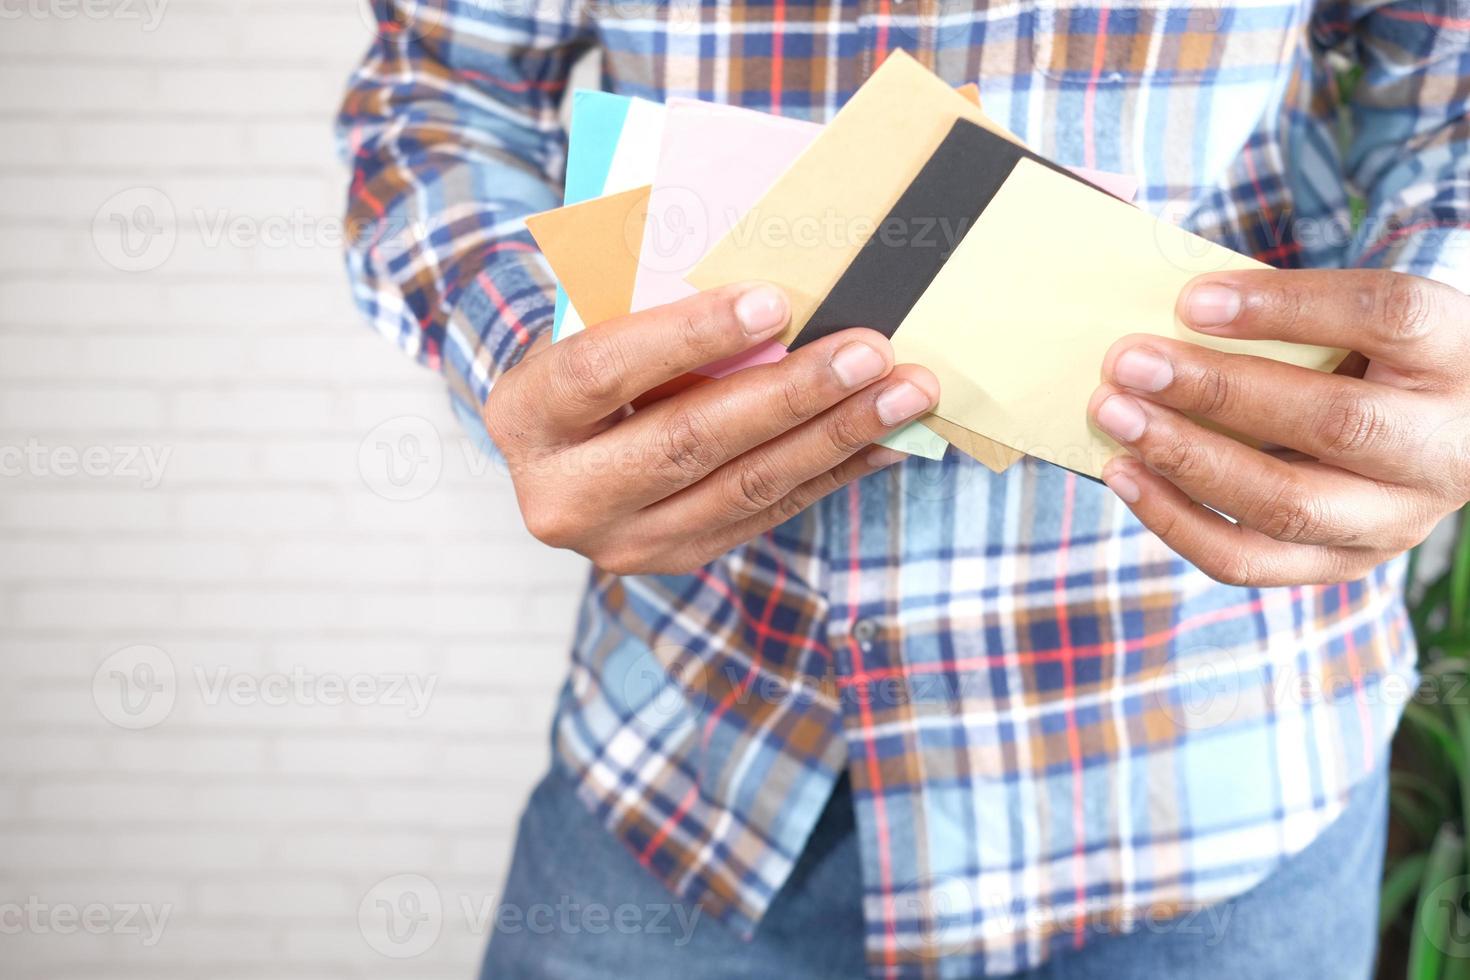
452,129
1407,151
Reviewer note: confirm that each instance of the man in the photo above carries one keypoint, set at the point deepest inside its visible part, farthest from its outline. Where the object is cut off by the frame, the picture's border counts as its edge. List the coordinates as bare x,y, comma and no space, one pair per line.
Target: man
856,713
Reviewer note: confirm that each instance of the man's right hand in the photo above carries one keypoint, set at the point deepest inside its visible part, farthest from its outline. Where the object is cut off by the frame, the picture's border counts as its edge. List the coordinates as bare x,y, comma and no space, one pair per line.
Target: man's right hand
677,484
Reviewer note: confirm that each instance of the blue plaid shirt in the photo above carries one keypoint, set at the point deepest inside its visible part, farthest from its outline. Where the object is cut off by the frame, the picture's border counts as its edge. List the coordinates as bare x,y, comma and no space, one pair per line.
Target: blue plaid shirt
1053,725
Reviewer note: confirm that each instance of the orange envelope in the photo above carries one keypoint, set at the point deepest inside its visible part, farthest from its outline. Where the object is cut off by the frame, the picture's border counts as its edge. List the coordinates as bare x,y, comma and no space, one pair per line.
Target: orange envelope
593,248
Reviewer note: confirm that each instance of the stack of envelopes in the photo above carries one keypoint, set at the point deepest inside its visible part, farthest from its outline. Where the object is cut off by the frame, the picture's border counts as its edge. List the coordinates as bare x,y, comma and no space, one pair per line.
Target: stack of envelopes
911,213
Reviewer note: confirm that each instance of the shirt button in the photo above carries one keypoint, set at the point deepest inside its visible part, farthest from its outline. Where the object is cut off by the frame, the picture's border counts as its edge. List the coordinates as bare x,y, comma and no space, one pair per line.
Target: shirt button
865,631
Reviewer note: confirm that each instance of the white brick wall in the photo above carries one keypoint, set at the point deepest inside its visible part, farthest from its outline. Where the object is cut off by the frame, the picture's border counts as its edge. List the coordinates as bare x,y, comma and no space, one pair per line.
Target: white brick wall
248,561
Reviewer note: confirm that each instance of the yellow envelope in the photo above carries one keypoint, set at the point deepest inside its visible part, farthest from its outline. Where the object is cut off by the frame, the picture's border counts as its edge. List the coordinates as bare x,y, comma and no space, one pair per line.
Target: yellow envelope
1017,322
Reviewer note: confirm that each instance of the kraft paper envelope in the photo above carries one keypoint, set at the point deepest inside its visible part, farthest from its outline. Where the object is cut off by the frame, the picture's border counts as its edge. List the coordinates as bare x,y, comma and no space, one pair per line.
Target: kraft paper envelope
1017,322
806,230
600,160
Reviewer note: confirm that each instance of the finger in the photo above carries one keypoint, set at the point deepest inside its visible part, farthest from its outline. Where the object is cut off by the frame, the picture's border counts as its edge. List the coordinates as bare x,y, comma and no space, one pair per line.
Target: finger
716,543
1371,429
1413,325
1229,553
759,479
680,440
1310,504
588,376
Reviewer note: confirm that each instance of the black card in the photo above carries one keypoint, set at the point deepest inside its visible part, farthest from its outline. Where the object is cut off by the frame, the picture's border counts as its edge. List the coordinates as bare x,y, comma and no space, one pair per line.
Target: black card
916,238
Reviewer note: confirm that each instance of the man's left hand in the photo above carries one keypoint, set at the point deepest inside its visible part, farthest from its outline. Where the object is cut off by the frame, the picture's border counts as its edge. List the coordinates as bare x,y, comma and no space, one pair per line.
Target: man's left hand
1373,456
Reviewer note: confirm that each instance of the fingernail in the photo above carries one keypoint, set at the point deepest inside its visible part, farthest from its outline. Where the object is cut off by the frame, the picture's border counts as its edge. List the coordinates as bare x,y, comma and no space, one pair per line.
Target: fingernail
1123,485
881,456
1122,418
761,310
1142,369
1211,306
900,403
856,364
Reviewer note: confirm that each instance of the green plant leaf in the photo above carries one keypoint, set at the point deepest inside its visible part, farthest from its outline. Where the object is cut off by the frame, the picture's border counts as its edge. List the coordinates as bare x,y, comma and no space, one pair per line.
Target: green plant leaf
1460,579
1440,666
1411,811
1460,714
1430,936
1400,884
1436,732
1425,787
1456,968
1436,595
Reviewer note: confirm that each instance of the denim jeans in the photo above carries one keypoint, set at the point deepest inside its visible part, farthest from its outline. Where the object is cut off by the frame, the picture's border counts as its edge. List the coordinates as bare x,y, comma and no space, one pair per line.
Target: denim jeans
578,906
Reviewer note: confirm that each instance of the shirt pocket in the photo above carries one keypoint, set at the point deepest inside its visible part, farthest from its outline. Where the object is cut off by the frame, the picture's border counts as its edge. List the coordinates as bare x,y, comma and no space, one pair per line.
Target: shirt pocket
1168,42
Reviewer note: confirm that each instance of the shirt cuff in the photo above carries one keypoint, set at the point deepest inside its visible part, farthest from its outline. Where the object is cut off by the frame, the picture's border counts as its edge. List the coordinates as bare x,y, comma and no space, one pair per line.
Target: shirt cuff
499,313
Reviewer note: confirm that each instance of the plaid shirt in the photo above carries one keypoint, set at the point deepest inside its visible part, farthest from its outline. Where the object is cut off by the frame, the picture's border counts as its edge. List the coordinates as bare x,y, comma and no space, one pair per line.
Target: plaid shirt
1053,725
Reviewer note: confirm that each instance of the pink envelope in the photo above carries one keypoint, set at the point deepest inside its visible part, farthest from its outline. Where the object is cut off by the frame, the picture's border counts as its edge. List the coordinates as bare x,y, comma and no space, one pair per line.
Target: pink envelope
715,163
